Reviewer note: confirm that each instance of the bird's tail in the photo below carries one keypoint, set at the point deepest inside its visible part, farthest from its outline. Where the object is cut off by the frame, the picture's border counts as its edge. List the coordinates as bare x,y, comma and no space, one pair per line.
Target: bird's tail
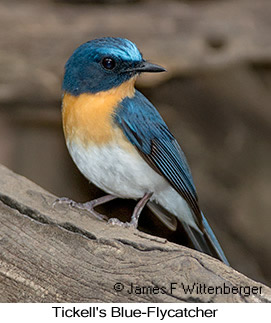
202,240
208,232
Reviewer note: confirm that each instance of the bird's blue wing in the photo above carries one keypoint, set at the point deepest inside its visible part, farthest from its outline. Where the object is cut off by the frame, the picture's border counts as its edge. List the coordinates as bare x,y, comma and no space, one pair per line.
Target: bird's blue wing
145,129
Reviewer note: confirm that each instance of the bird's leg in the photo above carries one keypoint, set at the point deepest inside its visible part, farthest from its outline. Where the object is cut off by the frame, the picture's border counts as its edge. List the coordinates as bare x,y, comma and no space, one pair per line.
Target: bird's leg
138,209
89,206
136,213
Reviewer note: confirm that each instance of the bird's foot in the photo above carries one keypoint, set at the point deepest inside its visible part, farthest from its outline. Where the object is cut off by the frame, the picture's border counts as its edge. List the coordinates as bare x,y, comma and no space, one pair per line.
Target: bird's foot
135,216
115,221
64,200
88,206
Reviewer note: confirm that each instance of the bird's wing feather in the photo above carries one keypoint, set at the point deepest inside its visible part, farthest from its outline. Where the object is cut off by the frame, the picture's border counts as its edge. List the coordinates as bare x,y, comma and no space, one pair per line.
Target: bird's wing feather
145,129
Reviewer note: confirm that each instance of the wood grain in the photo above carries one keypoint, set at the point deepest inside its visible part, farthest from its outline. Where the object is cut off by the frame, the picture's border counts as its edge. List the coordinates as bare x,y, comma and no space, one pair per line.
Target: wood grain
60,254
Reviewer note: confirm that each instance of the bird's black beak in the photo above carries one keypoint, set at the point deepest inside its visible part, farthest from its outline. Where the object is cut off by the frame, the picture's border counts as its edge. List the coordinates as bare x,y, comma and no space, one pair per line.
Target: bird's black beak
145,66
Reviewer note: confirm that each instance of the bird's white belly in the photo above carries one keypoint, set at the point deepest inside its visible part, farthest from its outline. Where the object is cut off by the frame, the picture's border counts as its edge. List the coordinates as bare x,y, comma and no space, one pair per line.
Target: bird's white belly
116,171
125,174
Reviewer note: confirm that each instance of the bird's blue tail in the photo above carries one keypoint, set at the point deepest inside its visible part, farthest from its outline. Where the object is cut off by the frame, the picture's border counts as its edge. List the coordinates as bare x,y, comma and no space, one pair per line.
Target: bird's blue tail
203,239
213,240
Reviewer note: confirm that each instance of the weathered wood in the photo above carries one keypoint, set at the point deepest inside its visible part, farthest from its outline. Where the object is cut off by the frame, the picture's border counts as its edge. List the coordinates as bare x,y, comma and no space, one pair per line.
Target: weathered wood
59,254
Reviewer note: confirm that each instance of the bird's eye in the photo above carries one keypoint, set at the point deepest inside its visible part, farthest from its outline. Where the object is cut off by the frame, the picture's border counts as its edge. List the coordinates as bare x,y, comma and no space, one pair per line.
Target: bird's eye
108,63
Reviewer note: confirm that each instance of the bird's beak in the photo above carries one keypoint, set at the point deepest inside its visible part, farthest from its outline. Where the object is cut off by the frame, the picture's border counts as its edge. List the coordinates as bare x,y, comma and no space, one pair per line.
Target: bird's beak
145,66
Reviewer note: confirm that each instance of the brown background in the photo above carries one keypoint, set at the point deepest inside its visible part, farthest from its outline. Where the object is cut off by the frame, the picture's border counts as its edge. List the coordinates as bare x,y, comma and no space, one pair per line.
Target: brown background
215,99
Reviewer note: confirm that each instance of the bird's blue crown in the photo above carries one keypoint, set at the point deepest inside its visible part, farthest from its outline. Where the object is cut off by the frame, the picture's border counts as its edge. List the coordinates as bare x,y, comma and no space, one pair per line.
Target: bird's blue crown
100,65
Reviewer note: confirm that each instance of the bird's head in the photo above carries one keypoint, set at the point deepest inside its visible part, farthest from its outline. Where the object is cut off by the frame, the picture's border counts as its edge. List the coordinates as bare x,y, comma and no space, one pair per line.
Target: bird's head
102,64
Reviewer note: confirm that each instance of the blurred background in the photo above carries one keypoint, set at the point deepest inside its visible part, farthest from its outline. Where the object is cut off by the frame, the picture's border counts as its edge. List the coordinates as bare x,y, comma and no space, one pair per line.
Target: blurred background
215,98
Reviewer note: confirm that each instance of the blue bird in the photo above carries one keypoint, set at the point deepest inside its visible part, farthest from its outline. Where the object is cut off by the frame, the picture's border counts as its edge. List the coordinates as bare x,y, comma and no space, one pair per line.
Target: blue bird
120,143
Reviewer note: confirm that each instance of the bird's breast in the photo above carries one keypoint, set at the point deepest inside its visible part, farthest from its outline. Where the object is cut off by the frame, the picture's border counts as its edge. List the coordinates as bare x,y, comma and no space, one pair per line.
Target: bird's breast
88,118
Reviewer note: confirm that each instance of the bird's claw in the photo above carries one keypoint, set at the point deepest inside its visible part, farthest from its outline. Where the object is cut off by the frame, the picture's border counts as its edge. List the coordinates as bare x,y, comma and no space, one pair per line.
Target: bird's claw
88,206
115,221
64,200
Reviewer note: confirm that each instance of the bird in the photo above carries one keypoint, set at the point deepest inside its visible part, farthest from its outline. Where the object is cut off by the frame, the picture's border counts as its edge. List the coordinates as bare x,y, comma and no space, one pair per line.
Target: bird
120,143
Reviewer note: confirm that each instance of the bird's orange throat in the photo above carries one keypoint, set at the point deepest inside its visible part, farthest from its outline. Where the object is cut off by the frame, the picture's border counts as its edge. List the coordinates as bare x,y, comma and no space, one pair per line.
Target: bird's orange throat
88,118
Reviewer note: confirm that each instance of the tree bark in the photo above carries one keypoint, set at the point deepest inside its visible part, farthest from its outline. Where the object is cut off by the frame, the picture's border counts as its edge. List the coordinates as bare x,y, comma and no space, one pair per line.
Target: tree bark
61,254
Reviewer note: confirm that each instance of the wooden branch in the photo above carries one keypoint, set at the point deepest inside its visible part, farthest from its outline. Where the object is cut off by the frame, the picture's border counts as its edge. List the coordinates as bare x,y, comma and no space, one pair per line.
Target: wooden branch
61,254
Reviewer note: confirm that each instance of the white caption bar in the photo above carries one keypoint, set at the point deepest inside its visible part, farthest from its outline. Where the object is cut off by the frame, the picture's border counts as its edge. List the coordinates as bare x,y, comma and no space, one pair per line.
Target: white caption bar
169,312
